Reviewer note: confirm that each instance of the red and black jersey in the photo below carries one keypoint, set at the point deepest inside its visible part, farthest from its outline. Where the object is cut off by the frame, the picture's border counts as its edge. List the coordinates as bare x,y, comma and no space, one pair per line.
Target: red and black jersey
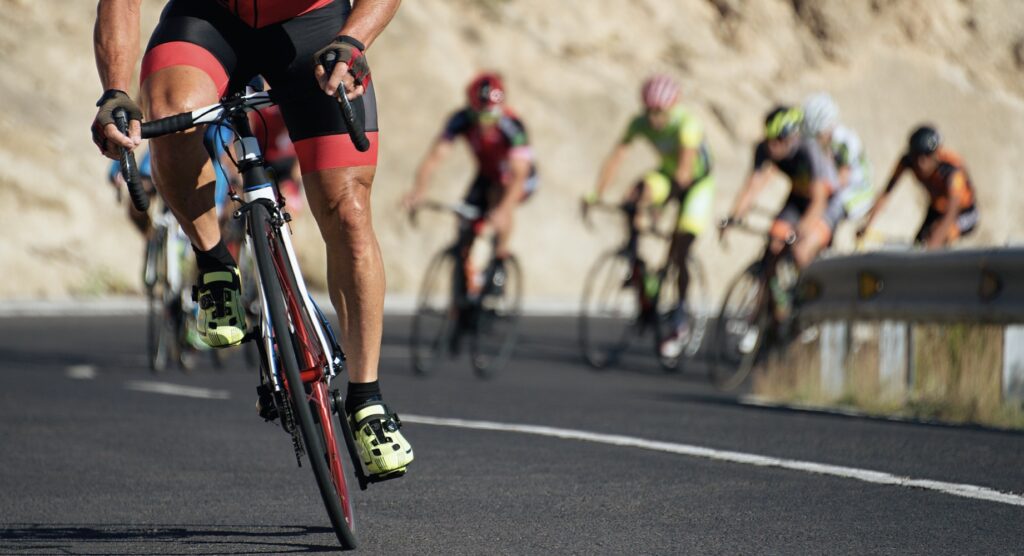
493,144
260,13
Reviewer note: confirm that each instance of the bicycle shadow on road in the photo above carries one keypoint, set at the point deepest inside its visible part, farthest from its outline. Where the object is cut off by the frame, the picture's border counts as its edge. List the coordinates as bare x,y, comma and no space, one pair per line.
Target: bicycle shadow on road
37,538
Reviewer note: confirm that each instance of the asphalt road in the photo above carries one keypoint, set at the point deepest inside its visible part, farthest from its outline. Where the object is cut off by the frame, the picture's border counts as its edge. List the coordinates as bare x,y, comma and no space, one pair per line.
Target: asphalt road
93,461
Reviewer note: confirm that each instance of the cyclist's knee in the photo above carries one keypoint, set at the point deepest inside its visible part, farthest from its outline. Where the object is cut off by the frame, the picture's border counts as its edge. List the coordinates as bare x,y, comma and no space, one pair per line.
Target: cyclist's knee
177,89
342,207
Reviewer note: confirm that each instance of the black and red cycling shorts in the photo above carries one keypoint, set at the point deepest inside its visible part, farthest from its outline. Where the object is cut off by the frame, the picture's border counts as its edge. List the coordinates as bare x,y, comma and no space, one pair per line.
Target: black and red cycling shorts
205,35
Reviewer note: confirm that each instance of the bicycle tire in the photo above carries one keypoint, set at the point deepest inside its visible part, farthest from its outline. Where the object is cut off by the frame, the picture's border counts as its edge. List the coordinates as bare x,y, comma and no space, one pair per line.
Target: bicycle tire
433,323
744,312
605,333
159,335
335,497
496,326
696,316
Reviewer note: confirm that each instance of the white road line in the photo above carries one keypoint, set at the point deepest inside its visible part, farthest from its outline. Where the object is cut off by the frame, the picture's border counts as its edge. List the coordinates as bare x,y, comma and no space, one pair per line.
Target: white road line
81,372
865,475
176,390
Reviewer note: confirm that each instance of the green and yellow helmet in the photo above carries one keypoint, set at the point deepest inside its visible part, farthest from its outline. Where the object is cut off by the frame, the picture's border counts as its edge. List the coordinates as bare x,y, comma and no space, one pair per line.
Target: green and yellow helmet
782,122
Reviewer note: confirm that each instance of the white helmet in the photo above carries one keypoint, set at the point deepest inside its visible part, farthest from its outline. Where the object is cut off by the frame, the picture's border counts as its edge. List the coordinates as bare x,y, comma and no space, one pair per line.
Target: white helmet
820,114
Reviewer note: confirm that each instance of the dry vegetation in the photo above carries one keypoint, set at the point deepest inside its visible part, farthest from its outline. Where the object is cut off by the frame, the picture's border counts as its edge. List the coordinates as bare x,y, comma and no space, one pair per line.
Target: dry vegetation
956,377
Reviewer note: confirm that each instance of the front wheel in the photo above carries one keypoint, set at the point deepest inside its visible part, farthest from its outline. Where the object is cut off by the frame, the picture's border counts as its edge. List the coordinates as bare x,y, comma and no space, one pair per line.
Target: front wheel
740,331
610,309
434,332
294,341
694,319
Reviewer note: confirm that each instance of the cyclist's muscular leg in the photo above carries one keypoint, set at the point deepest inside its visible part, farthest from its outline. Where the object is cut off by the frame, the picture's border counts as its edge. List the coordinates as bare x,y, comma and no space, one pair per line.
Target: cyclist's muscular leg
682,243
340,201
181,166
185,178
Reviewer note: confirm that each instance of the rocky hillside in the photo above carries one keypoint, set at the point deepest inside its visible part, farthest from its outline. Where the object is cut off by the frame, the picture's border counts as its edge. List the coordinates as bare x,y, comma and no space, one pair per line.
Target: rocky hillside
573,69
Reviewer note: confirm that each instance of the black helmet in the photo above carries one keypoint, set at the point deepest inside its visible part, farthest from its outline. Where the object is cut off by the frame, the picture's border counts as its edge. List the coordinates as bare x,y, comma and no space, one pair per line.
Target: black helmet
924,140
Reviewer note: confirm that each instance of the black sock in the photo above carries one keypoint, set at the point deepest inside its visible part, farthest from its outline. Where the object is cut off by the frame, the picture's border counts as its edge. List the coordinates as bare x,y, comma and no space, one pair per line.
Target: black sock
215,259
361,392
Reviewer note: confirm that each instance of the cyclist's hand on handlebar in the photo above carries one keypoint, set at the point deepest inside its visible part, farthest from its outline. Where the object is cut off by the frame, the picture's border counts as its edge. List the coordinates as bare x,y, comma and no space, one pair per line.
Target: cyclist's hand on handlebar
104,132
352,69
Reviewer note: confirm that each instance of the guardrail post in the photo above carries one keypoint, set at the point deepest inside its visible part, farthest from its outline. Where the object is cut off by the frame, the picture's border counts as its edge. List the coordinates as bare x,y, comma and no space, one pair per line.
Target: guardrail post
1013,363
835,343
893,359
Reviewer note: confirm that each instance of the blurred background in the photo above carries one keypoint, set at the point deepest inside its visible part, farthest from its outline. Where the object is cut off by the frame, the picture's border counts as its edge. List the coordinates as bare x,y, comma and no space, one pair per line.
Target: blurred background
573,70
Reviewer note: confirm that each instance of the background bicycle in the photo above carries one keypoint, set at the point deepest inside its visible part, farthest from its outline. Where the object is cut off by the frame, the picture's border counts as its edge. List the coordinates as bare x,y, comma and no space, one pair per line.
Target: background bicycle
467,295
624,298
758,311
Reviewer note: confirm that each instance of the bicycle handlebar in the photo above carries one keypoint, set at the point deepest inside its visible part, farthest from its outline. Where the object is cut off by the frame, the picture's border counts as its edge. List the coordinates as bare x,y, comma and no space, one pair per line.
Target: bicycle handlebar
726,224
168,125
129,168
628,210
355,126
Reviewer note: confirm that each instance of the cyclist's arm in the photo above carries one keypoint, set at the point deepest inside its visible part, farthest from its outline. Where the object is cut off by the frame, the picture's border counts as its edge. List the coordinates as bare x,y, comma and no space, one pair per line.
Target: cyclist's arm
937,237
116,42
437,153
116,45
755,183
610,168
368,19
881,199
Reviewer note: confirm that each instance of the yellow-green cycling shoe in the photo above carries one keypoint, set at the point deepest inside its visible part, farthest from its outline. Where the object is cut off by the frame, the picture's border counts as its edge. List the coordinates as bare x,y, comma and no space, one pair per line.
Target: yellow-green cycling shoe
381,446
221,318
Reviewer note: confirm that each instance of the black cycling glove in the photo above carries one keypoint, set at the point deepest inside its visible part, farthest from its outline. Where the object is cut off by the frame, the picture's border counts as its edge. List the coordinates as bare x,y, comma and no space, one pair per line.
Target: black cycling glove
350,52
111,100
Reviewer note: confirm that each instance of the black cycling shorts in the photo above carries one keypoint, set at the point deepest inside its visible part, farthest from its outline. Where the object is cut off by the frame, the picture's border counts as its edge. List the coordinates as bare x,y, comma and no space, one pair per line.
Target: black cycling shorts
205,35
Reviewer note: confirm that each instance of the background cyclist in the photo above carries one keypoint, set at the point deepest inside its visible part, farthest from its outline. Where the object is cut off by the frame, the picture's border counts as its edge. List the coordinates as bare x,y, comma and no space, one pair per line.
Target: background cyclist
853,196
199,51
506,169
684,172
951,209
812,177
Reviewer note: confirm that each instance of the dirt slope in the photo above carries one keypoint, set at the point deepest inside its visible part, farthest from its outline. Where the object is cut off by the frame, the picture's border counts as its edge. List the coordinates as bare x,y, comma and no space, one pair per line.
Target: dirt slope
573,68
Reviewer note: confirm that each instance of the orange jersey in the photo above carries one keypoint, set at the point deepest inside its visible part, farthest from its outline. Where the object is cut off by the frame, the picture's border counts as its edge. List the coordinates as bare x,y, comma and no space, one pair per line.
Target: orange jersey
949,177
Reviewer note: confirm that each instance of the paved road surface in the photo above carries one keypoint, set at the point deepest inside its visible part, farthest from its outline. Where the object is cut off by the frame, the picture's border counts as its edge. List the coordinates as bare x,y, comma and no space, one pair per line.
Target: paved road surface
94,461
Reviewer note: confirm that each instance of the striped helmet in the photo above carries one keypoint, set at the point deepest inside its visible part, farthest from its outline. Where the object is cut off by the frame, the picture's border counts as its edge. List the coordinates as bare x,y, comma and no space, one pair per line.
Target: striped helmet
782,122
660,92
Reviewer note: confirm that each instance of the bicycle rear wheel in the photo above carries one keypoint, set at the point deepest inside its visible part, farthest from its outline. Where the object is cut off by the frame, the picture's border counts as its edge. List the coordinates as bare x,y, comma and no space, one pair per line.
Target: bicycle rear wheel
496,320
609,310
433,325
696,317
298,353
740,330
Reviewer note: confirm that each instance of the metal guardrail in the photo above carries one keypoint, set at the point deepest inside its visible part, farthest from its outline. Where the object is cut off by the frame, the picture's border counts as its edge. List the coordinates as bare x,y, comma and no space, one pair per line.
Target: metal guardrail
975,285
980,286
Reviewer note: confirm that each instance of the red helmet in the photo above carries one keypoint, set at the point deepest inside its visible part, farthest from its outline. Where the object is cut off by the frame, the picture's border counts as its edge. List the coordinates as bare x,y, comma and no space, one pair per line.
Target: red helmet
485,91
660,92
